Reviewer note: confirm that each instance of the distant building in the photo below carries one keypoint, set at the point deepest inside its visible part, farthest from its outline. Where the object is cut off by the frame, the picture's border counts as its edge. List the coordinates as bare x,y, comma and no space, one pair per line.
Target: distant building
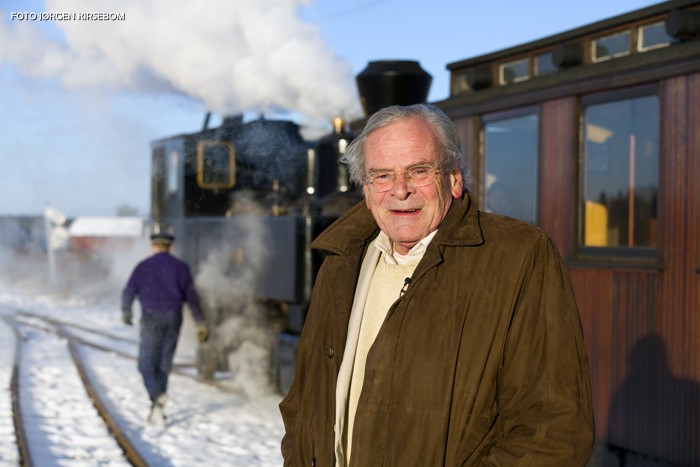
22,233
90,234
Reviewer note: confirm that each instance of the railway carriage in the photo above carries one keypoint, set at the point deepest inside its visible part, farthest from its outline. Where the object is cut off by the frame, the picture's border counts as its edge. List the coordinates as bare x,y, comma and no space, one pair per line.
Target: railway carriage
594,135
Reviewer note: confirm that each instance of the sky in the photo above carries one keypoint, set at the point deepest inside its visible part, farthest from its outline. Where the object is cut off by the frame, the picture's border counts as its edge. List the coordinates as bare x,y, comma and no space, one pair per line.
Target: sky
82,99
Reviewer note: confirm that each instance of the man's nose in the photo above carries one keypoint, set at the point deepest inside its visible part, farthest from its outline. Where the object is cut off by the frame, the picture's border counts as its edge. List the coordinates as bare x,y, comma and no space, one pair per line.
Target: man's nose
402,186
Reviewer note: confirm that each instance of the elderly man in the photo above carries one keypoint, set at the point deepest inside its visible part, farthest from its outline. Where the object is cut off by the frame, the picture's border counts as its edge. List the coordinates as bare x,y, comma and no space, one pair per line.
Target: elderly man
437,335
162,283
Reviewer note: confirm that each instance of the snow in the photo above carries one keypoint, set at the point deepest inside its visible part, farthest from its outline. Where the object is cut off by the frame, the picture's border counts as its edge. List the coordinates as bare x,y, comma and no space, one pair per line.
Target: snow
8,450
208,422
62,423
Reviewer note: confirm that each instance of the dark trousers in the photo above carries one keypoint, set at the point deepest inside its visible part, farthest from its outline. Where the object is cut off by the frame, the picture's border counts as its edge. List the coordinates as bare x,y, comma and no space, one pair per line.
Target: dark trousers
159,333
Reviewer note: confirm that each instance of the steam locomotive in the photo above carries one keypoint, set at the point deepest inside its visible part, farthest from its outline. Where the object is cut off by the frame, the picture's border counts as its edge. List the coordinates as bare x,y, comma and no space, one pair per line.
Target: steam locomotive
246,199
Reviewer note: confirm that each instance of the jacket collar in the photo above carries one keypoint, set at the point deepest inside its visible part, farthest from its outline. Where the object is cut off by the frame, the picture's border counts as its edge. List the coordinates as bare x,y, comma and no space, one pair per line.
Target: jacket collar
357,228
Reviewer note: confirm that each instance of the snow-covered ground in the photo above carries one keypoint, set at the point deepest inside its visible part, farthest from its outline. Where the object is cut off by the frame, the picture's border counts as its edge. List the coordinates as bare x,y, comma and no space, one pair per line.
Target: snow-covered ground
8,449
208,424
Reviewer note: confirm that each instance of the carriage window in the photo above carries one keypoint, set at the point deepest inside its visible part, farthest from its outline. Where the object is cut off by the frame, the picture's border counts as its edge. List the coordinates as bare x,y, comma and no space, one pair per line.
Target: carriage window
515,71
612,46
621,173
653,36
216,166
510,167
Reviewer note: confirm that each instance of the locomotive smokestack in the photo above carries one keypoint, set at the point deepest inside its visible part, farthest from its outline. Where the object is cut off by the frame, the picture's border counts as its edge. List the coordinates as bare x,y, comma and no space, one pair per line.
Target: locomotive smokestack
392,82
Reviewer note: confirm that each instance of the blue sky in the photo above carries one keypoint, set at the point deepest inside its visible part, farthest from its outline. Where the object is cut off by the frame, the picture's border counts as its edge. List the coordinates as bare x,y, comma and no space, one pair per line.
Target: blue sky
82,100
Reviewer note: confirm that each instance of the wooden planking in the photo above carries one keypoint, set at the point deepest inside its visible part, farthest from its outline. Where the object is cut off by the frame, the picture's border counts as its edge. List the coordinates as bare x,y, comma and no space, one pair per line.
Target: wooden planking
672,213
679,309
557,172
692,284
673,317
468,130
617,311
593,290
641,327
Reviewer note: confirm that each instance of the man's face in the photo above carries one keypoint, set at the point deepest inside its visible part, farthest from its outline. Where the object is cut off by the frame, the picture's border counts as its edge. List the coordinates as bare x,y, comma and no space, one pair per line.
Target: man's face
408,213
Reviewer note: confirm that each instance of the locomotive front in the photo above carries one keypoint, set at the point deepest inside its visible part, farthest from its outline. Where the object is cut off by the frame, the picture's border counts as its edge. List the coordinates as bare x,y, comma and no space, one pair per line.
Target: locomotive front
244,201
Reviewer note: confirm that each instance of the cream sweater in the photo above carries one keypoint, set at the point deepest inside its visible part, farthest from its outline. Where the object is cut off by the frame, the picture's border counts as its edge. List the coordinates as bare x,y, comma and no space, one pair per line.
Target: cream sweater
386,285
382,251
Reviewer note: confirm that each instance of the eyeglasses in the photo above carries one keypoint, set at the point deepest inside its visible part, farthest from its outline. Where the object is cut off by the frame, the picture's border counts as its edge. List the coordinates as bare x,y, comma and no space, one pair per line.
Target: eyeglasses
418,175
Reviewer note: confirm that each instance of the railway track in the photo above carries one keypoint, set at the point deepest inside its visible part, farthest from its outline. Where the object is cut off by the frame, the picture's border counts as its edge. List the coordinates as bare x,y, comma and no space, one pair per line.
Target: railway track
48,368
78,399
116,344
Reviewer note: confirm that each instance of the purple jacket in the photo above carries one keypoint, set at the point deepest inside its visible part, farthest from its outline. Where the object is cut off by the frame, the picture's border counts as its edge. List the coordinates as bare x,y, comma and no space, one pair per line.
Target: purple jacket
162,282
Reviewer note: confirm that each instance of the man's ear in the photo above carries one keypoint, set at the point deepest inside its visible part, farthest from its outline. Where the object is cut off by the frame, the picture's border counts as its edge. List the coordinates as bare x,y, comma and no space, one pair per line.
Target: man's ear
365,190
456,183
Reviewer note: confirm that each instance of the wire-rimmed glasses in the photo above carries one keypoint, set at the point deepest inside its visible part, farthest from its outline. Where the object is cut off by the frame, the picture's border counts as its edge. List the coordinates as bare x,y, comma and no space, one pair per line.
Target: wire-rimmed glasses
418,175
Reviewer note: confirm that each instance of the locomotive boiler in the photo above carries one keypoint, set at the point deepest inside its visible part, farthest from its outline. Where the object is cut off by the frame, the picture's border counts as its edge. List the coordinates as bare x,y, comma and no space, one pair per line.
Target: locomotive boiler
245,200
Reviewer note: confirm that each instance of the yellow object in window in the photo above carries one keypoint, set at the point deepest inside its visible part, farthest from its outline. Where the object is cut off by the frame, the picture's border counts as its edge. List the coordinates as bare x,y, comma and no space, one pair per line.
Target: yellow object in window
596,231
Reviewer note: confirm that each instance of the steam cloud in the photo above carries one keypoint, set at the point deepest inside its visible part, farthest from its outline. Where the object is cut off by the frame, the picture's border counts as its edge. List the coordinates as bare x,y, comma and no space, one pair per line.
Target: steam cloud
225,282
232,56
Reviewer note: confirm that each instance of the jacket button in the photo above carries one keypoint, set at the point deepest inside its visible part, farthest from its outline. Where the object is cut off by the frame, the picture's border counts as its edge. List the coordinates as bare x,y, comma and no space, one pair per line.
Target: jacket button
330,352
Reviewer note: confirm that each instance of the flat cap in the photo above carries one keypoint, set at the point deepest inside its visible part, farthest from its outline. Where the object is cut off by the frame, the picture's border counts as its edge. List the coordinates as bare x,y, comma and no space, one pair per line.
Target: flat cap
162,239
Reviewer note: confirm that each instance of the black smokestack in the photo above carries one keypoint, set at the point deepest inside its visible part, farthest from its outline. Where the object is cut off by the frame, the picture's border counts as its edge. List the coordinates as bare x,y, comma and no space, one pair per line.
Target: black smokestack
392,82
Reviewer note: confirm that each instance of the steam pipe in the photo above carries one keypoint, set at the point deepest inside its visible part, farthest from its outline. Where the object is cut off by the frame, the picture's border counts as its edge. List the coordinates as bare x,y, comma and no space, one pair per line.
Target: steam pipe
206,121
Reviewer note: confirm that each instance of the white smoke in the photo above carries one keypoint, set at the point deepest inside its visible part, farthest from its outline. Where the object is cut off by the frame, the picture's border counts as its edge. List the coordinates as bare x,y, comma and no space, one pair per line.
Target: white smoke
242,337
233,56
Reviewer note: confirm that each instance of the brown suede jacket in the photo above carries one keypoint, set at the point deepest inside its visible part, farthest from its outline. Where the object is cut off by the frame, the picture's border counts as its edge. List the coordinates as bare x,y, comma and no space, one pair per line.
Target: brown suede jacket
481,362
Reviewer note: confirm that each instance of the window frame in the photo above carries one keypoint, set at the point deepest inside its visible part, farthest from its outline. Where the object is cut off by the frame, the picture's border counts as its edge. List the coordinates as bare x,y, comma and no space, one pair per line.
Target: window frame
511,64
509,115
640,37
200,165
634,256
629,33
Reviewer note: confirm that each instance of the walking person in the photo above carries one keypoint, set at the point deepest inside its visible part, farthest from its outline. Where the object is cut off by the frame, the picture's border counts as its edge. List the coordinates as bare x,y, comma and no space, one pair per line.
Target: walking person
162,284
437,335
